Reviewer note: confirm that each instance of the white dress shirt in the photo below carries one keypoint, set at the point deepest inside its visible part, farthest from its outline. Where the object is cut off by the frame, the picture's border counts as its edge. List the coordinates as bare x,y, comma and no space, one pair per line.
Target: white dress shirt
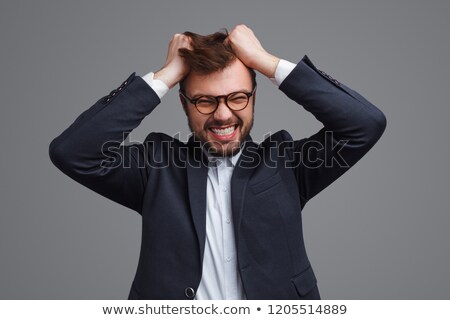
220,275
220,278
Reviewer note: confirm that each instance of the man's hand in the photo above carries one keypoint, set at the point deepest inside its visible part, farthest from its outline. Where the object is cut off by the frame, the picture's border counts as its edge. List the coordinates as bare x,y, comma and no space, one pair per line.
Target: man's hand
249,50
175,69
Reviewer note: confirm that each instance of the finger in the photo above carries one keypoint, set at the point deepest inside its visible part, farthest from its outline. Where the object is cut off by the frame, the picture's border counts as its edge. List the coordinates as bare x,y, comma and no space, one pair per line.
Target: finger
187,41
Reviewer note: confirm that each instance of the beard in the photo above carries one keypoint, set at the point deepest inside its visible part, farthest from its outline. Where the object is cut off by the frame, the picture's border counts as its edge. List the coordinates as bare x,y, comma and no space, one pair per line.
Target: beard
218,148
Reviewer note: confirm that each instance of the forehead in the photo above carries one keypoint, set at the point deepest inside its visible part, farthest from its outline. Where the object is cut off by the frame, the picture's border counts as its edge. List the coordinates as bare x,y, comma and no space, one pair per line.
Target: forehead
235,77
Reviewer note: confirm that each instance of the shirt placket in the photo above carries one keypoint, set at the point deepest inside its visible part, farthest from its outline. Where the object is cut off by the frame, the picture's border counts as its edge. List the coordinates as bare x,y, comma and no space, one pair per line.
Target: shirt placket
224,176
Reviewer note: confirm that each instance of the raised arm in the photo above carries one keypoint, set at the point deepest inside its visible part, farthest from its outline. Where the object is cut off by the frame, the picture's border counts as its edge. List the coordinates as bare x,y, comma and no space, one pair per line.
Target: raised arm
351,124
89,150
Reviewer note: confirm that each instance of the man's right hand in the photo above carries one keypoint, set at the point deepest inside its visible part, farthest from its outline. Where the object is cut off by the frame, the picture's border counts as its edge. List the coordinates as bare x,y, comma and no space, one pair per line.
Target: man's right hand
175,69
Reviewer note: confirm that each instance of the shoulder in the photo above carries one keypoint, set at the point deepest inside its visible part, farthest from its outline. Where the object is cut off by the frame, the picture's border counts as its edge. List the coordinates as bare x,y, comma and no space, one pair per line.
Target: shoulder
164,139
161,147
279,138
276,146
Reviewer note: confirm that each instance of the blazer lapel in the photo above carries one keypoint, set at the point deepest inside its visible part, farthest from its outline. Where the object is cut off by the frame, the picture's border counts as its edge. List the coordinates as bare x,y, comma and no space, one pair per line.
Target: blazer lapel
197,174
247,163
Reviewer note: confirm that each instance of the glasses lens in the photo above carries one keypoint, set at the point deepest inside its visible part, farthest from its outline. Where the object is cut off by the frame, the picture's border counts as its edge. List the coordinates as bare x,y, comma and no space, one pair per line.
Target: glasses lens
206,104
237,101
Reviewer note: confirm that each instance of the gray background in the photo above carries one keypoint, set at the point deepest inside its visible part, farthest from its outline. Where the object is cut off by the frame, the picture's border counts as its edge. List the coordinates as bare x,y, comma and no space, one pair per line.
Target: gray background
379,232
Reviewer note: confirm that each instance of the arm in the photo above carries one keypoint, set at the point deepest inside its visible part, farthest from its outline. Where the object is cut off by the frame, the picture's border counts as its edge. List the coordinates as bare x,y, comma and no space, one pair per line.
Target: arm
89,151
352,125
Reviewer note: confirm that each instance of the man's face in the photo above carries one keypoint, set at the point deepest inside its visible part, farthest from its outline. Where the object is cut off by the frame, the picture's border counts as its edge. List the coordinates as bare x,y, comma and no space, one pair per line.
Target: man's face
225,129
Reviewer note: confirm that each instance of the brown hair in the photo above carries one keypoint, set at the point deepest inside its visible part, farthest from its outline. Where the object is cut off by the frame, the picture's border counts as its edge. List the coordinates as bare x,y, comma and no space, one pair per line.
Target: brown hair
209,54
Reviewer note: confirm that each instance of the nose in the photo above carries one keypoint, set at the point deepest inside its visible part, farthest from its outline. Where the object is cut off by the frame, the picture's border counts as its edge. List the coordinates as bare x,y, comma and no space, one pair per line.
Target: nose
222,112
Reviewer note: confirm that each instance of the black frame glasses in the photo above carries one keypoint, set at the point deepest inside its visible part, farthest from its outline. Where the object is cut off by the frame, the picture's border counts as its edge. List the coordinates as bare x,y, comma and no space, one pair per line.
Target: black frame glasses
228,98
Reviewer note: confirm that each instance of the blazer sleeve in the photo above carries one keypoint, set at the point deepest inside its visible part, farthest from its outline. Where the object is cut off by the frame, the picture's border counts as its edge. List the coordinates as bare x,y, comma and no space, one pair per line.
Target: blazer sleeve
90,151
351,126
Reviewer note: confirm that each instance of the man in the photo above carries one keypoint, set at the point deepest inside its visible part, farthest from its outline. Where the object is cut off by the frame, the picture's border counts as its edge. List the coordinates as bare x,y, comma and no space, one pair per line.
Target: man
221,215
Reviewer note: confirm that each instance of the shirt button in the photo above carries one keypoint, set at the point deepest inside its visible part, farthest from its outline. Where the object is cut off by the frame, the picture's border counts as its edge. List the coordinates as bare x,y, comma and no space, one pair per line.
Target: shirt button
228,259
224,189
228,220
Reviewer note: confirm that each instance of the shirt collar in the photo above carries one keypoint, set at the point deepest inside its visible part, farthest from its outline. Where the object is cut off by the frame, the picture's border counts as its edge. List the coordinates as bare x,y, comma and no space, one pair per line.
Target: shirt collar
219,160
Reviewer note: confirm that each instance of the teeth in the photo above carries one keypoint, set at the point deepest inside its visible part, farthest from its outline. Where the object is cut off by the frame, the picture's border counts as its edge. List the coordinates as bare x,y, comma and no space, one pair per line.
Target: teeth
223,132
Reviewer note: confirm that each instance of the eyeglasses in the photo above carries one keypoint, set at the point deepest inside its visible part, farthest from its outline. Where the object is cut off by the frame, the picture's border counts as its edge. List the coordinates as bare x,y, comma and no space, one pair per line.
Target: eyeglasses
235,101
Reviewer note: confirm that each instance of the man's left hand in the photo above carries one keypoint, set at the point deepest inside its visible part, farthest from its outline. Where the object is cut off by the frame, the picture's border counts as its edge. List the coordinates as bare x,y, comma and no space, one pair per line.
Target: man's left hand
249,50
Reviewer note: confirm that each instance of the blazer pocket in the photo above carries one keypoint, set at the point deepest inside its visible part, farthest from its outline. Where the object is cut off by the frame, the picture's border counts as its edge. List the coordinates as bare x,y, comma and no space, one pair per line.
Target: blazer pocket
266,184
305,281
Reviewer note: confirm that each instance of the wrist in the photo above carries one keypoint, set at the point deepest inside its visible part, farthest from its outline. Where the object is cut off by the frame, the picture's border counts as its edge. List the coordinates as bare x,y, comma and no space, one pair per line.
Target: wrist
266,64
168,76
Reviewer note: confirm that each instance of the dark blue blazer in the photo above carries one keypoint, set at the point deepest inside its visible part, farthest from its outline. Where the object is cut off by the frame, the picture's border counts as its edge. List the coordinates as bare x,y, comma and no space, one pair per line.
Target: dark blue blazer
164,180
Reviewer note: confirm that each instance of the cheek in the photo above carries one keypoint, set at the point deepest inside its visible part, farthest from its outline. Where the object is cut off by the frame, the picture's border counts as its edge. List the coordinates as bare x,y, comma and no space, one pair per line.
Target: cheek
247,118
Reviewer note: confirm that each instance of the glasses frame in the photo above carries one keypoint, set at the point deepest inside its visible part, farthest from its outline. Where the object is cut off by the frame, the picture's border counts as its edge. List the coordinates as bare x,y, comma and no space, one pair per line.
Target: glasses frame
216,98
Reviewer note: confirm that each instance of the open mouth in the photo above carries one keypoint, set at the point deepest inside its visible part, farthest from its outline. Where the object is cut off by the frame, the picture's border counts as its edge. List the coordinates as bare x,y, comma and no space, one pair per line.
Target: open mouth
224,133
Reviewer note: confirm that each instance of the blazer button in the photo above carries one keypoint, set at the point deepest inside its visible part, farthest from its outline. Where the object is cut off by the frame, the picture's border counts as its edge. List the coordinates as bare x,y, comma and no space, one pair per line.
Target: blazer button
189,292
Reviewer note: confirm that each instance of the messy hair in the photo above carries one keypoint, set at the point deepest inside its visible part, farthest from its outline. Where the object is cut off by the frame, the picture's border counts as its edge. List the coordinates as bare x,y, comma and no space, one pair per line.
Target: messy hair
209,54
